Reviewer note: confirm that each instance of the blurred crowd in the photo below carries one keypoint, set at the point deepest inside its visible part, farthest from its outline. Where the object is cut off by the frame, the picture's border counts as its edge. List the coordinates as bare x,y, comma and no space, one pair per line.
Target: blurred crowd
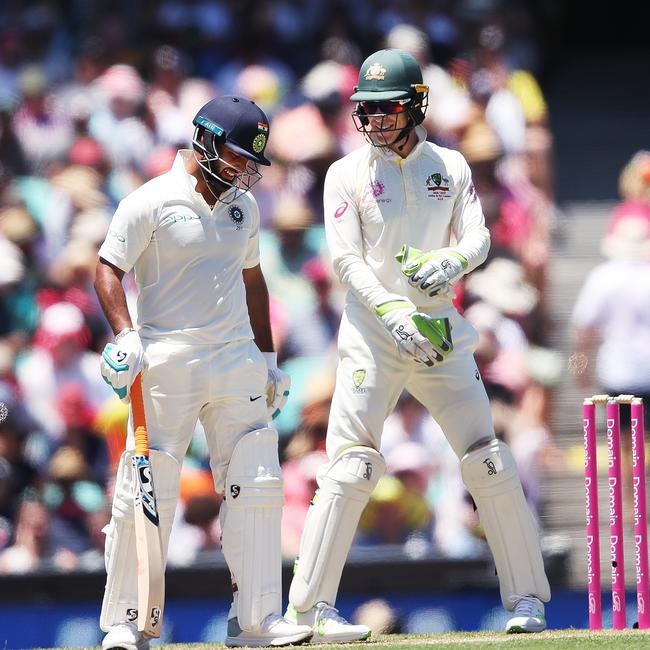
95,98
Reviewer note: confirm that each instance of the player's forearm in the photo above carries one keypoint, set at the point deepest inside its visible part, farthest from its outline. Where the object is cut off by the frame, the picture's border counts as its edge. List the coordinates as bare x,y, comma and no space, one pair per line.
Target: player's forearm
108,286
257,300
474,247
357,276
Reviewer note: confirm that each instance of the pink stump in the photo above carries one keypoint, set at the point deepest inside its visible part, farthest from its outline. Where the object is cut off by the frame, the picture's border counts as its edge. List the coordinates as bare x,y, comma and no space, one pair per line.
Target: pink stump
591,503
640,512
615,501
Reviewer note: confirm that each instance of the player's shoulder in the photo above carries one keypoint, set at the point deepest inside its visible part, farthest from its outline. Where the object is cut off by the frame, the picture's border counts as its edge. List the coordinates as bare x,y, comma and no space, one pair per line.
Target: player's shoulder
350,162
449,157
155,192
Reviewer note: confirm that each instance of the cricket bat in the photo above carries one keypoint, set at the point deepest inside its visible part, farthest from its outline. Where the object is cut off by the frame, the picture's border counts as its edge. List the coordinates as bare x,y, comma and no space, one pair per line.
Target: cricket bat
151,566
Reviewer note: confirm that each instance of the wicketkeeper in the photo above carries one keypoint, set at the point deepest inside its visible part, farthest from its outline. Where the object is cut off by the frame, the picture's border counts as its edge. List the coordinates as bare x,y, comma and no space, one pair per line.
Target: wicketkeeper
390,209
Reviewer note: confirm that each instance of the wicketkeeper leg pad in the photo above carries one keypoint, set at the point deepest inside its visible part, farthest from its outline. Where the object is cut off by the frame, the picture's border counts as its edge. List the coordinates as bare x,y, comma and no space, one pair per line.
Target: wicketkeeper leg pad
490,474
250,524
344,487
121,592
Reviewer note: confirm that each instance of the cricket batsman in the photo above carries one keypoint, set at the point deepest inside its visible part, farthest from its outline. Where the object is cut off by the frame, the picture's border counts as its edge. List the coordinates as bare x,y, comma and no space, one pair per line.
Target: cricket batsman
390,209
203,344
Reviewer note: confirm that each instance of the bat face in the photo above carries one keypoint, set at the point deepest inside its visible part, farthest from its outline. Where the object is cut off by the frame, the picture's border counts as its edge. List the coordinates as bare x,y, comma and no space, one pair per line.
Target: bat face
151,566
145,497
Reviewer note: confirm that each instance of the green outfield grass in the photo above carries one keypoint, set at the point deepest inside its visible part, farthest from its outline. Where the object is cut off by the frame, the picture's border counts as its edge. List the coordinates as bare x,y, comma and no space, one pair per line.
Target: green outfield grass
560,639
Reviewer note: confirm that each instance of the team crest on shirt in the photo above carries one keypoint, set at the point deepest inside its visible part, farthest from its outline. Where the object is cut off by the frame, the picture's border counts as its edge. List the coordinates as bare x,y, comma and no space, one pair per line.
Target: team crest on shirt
437,186
358,377
237,216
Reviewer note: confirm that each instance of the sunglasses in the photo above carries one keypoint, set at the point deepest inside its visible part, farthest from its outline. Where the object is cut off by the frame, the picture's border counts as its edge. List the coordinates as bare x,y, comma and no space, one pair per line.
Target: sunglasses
386,107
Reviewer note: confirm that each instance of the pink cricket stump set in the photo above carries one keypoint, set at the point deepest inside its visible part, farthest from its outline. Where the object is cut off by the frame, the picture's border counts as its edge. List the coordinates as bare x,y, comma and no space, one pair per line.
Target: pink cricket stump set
615,509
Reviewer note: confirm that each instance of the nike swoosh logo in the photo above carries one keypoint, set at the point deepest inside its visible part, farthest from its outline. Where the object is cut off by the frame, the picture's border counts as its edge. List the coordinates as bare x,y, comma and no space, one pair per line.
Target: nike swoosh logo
252,399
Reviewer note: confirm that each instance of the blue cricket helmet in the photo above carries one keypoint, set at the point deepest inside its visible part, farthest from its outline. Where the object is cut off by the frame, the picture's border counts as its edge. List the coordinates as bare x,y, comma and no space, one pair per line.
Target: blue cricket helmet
237,122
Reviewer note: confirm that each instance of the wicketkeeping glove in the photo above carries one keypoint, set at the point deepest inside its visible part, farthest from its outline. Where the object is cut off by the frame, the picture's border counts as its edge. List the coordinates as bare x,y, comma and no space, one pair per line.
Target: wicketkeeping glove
121,362
278,384
418,336
431,272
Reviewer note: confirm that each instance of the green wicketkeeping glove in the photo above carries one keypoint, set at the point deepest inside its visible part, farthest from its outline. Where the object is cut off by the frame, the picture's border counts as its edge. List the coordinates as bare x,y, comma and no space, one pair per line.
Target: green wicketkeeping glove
426,340
431,272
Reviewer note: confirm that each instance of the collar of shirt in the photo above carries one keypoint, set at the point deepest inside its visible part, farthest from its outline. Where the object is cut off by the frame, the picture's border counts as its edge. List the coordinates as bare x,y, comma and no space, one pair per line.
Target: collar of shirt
389,154
180,170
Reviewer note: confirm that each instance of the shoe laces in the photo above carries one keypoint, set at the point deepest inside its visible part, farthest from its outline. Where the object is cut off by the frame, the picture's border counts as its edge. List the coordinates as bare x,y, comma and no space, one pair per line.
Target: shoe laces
528,606
327,612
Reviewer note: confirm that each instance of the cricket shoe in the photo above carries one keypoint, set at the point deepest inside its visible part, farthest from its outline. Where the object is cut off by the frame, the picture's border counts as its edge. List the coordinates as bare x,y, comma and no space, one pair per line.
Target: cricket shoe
125,636
328,625
528,616
273,631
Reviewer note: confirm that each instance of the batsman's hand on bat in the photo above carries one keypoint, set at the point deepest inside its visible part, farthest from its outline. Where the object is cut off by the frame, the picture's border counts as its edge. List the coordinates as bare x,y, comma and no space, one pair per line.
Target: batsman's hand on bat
431,272
418,336
121,361
278,385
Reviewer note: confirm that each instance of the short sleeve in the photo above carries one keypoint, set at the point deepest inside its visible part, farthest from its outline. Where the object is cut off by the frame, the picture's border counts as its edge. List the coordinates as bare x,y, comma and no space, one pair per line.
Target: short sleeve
130,231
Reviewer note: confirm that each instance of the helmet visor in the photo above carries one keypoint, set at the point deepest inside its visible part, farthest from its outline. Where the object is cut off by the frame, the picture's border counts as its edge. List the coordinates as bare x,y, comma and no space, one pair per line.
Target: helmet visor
385,107
226,181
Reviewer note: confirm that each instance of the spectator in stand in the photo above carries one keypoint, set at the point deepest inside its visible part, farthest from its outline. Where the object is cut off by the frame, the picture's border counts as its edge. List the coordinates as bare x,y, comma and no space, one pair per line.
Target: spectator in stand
33,548
78,416
287,248
17,473
43,130
59,355
312,333
121,133
611,315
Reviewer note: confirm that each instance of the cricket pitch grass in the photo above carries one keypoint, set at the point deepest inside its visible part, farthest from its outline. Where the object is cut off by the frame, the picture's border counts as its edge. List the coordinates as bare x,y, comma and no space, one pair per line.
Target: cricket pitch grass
560,639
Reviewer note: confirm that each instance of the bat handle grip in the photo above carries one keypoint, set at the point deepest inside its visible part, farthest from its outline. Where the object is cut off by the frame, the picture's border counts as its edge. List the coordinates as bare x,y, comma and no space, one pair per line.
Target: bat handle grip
139,420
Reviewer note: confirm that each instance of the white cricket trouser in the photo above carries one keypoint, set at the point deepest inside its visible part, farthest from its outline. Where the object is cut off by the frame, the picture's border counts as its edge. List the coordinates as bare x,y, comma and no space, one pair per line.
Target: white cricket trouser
371,376
213,384
223,386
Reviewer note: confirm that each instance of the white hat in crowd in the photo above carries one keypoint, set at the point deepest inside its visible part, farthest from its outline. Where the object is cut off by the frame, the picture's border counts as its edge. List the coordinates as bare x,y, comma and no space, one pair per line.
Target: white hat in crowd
502,285
628,240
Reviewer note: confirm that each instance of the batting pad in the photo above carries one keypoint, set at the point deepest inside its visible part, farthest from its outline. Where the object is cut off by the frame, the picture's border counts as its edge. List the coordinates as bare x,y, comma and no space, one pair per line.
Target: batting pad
490,475
344,487
121,592
250,525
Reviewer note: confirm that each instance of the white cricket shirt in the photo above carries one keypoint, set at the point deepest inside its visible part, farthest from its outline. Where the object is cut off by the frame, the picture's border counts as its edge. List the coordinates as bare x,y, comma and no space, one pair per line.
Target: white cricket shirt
188,259
375,202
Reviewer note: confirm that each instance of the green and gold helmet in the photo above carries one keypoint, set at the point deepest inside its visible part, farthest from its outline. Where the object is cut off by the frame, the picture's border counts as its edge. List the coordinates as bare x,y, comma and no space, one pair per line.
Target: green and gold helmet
390,83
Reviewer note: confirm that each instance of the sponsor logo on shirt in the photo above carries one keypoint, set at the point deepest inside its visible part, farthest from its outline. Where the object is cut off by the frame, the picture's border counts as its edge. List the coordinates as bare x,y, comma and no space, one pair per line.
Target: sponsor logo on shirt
376,189
175,218
237,216
438,186
116,235
340,211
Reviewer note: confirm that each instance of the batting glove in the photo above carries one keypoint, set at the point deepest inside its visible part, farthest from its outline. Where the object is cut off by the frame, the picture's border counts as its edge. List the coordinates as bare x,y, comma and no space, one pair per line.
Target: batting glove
418,336
278,384
121,362
433,272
